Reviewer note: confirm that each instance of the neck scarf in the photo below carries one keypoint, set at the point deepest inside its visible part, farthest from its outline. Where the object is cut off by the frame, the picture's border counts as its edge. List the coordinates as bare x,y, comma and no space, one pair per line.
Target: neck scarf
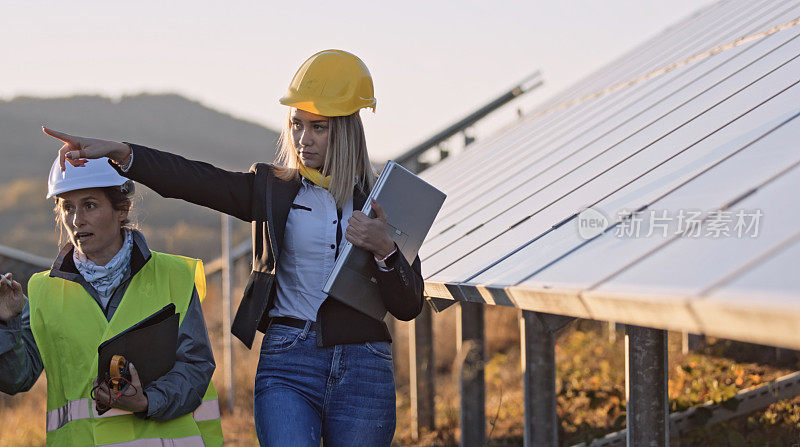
315,176
106,278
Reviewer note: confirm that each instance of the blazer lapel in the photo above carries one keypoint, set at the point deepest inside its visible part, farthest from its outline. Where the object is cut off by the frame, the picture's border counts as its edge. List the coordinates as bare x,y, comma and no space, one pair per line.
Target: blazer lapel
283,194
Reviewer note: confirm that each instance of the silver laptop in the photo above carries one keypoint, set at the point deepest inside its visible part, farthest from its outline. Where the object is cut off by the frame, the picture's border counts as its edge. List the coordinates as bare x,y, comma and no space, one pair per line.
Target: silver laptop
411,206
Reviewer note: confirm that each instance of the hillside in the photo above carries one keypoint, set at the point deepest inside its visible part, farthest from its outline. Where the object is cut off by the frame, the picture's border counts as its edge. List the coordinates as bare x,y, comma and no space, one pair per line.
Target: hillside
163,121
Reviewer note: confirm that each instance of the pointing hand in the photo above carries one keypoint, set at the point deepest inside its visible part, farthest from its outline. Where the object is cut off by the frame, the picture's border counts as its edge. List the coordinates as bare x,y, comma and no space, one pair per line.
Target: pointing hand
76,150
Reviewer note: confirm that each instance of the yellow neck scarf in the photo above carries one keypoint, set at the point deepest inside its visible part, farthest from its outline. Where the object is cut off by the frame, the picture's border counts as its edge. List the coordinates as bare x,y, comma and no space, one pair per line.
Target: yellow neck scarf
315,176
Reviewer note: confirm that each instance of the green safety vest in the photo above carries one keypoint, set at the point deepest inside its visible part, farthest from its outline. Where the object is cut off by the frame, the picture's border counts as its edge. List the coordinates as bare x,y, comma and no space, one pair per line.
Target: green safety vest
68,326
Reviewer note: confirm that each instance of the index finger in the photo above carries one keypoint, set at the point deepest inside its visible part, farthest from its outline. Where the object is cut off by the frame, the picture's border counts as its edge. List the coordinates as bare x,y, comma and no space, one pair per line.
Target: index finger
65,137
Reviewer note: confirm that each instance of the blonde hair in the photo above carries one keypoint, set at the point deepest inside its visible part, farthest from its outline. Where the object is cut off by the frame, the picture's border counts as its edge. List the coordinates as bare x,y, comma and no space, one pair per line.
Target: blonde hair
346,160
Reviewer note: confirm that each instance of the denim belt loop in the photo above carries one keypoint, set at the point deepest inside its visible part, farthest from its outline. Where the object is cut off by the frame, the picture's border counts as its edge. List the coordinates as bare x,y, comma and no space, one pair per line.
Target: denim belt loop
306,329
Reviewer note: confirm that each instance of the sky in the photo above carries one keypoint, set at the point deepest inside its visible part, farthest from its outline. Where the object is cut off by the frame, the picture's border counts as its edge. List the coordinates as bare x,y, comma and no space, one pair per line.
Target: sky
432,62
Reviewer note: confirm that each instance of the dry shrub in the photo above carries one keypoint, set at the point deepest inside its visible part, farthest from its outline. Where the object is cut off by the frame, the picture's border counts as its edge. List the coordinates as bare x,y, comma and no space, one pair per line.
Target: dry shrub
237,427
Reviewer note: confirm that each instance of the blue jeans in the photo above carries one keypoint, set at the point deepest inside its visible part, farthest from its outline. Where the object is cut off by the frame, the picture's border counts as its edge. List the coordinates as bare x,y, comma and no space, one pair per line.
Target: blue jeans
343,394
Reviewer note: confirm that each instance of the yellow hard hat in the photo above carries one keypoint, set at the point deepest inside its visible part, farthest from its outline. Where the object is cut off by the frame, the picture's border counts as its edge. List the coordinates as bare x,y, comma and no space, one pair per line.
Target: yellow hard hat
331,83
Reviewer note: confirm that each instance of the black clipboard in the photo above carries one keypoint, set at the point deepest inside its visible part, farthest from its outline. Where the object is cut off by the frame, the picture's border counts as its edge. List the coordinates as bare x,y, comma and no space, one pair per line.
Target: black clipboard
150,345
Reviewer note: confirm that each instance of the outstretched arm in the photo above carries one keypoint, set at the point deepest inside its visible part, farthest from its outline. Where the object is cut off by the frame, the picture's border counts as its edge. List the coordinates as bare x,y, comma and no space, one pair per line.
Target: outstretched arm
168,174
198,182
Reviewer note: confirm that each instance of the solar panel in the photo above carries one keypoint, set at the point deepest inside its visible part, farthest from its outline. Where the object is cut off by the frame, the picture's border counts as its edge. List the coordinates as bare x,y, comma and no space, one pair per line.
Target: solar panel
661,181
599,170
703,35
762,296
691,137
489,184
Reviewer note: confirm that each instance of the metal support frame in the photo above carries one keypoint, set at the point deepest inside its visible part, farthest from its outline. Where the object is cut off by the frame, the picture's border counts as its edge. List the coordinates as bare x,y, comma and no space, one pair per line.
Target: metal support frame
646,375
227,311
690,342
538,345
421,369
410,159
471,355
745,402
22,264
612,332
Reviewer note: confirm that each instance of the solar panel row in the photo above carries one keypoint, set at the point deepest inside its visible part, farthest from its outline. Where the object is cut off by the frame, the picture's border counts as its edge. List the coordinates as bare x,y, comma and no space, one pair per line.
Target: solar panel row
585,210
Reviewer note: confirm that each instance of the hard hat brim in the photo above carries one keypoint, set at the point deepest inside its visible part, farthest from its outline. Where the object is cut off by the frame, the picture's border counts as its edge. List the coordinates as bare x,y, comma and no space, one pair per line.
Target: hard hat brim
326,110
98,174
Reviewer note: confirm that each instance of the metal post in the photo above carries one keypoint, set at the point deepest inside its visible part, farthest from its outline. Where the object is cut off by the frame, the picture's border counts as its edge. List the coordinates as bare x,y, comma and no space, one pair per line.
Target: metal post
227,293
539,379
690,342
684,342
421,370
646,375
612,332
471,353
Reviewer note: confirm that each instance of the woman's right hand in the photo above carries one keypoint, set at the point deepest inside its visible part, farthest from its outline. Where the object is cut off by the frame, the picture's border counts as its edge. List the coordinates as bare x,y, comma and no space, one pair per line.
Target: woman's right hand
77,149
12,301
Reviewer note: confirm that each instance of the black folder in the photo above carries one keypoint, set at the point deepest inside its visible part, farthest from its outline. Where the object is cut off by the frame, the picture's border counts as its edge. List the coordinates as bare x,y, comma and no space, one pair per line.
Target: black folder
149,344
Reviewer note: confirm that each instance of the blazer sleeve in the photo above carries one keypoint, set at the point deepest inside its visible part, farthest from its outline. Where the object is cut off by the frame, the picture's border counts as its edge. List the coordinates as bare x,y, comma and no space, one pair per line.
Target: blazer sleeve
401,288
198,182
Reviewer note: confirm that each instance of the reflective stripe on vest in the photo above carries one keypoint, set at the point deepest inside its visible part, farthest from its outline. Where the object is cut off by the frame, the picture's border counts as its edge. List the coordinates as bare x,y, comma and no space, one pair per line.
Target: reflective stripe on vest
72,411
76,410
189,441
207,411
84,409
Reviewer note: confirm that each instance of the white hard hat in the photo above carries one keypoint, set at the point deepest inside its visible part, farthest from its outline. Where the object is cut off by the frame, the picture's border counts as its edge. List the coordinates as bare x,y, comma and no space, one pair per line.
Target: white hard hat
96,173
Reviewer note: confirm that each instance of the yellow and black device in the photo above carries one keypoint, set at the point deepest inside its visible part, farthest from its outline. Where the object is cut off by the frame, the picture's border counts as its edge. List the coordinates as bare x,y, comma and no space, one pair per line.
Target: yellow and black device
119,374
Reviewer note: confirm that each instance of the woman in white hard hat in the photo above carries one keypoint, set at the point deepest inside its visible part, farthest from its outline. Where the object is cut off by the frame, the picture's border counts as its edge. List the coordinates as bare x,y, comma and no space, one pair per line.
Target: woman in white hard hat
104,281
325,370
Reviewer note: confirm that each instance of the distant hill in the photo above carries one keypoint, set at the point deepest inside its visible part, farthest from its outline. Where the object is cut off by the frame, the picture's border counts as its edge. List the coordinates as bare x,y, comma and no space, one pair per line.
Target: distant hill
169,122
163,121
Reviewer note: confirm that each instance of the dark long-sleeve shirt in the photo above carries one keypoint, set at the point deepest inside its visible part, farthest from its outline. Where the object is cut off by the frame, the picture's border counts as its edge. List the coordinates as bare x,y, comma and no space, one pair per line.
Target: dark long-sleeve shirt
20,361
178,392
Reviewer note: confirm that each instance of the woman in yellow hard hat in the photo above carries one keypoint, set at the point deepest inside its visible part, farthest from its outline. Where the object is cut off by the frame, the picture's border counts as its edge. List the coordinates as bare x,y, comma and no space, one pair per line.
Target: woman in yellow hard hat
325,370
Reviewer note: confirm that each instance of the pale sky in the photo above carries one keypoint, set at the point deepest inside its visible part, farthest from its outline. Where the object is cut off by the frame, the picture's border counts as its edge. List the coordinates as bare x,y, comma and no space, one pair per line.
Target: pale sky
432,61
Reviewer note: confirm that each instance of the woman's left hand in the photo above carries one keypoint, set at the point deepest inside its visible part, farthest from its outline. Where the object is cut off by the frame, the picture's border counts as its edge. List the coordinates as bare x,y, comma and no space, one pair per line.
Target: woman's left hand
128,400
370,233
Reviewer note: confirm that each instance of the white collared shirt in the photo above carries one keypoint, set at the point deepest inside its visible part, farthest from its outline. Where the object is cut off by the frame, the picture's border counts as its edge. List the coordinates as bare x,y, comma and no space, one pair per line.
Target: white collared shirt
308,252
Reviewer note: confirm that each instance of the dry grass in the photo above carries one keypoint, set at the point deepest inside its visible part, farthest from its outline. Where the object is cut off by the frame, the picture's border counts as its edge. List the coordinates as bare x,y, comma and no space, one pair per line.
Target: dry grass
22,417
590,387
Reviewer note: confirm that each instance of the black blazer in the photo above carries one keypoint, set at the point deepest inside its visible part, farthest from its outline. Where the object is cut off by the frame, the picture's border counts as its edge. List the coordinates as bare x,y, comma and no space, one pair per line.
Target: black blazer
264,200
